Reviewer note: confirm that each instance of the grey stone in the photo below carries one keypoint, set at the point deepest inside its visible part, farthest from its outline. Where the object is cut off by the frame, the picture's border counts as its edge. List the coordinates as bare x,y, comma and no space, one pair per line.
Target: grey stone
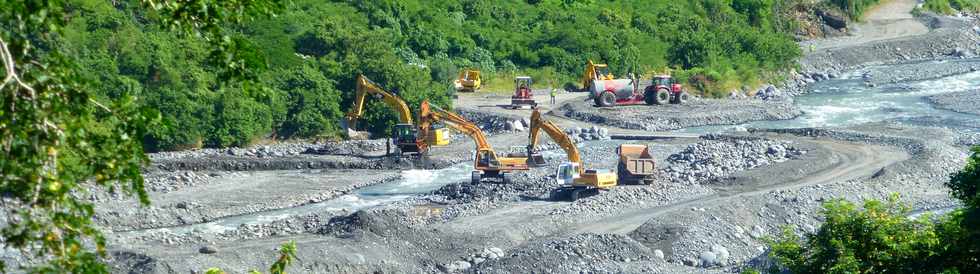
708,259
208,250
722,253
458,266
659,254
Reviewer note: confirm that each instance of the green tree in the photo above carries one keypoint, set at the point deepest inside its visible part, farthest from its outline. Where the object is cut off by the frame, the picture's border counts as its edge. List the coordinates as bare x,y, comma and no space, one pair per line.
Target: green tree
59,141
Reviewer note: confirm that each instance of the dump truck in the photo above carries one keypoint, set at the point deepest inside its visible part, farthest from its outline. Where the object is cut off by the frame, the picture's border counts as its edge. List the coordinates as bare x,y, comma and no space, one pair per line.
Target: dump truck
468,81
636,165
523,97
574,179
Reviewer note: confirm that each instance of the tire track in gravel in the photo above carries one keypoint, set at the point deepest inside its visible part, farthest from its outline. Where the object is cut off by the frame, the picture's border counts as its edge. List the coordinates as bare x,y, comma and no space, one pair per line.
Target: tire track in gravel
854,161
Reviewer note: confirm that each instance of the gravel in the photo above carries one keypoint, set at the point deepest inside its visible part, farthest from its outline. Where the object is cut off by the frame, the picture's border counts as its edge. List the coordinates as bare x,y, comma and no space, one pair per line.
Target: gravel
963,102
699,112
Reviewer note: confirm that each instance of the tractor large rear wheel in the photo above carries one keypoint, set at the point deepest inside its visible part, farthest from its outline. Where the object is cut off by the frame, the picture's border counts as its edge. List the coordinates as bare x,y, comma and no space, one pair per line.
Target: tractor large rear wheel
682,98
650,96
662,97
606,99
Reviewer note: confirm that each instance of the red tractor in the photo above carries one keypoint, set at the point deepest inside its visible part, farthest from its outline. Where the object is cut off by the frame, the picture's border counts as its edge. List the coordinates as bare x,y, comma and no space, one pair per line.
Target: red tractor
523,97
663,90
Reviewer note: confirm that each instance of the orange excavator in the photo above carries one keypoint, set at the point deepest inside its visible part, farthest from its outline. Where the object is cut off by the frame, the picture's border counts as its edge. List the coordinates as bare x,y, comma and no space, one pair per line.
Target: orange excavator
486,163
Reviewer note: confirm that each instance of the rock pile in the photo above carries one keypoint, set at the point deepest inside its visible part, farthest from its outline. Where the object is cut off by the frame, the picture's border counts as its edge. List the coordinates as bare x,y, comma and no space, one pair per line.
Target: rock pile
588,134
351,147
769,92
715,158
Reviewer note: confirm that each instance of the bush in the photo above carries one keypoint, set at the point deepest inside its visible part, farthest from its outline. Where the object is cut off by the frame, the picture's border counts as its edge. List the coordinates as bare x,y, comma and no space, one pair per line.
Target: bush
882,239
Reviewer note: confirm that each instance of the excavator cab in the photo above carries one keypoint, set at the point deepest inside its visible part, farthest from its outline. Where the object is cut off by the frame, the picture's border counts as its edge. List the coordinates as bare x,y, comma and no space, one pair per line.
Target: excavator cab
405,137
567,173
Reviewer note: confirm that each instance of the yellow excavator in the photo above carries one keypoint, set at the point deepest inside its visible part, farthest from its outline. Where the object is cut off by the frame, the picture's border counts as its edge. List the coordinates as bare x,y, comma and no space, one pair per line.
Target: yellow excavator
486,163
594,72
574,179
404,134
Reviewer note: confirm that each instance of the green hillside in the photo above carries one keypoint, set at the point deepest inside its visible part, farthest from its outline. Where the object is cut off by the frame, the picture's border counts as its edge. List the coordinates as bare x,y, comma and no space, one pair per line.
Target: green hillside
312,51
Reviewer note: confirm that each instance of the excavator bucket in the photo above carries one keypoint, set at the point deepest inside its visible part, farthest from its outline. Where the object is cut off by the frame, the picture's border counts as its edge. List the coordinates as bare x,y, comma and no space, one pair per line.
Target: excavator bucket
351,133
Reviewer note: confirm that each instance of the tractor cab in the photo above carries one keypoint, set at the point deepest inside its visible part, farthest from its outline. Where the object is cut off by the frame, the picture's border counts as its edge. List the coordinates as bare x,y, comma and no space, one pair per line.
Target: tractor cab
522,86
665,81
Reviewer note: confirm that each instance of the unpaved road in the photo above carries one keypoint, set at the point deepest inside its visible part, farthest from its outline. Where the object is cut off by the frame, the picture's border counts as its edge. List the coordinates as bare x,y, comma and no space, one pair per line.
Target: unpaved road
524,220
890,20
851,161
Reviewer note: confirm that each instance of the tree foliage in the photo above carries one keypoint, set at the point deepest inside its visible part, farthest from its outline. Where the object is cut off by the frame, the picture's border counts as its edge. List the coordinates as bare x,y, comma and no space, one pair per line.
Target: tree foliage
69,126
881,238
305,59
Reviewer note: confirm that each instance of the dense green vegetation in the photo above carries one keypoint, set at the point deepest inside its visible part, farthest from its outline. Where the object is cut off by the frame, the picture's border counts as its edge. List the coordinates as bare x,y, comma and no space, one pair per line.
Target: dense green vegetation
881,238
313,50
59,142
952,6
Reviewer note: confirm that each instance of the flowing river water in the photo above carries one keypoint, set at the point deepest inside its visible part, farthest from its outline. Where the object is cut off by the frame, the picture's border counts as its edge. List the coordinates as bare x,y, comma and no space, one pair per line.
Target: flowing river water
839,102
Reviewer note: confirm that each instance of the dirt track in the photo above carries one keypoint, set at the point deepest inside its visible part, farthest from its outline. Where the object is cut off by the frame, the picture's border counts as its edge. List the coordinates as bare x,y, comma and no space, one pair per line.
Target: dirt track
890,20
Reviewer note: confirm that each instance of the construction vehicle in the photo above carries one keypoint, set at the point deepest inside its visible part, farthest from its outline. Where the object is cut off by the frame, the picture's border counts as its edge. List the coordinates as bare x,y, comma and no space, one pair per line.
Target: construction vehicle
486,162
636,165
595,72
523,95
574,179
468,81
404,134
663,90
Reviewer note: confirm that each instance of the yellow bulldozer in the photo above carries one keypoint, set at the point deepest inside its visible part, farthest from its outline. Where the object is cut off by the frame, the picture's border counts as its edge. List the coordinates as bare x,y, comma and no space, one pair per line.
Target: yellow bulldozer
575,180
468,81
404,134
486,162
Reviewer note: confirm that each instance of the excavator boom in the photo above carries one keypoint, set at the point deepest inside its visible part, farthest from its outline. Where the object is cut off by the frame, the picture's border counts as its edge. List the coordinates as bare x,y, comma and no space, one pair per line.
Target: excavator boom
572,174
556,134
486,162
365,87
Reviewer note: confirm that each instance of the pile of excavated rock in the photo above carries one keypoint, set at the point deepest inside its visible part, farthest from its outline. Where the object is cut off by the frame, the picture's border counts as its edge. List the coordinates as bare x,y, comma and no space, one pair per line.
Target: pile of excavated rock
716,157
351,147
588,134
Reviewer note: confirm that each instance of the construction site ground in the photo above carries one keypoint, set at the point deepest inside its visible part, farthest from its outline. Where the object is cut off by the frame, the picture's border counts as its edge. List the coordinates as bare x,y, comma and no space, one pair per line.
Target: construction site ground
718,195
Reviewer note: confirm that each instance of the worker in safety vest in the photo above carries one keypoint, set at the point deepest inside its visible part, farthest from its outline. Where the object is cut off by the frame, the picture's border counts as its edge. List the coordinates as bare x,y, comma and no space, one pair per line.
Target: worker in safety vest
554,93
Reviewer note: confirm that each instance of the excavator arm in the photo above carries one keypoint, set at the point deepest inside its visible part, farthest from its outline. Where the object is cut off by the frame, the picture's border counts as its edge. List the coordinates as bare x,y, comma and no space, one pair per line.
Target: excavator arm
486,159
556,134
364,87
430,114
